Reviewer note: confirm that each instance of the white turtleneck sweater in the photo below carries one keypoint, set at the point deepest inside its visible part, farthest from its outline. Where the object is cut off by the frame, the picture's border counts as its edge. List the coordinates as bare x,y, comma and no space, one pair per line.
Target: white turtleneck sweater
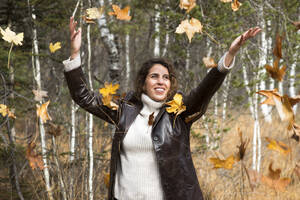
137,175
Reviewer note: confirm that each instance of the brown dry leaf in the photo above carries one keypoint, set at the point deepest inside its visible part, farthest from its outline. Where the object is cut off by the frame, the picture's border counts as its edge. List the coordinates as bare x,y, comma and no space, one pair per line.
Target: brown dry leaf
34,159
39,94
294,100
296,132
55,130
151,119
277,49
285,110
274,70
270,94
209,62
106,179
235,5
42,111
297,25
190,27
242,147
122,14
278,146
226,164
187,4
4,110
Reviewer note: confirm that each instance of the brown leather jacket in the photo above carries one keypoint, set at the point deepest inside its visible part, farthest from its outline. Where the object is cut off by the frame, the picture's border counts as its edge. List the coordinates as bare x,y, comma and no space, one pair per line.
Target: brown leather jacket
171,142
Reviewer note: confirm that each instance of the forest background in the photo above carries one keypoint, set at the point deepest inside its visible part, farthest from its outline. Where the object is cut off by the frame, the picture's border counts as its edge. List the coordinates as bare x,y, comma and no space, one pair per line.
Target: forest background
71,156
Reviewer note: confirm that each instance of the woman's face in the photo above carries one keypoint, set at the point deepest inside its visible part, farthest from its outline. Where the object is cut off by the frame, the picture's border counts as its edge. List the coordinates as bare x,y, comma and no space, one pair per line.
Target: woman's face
157,83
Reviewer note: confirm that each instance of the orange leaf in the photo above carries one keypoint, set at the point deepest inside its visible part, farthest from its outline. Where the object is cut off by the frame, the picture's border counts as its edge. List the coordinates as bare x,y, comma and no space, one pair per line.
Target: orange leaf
278,146
277,49
235,5
285,110
226,164
122,14
107,101
42,111
34,159
274,70
209,62
106,179
187,4
190,27
270,94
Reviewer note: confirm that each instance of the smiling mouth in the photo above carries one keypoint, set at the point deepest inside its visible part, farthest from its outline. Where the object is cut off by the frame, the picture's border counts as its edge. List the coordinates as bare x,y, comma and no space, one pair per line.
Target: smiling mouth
159,89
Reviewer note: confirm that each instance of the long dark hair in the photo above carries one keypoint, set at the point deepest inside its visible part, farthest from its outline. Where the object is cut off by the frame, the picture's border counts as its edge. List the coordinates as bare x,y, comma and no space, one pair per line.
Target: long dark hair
144,70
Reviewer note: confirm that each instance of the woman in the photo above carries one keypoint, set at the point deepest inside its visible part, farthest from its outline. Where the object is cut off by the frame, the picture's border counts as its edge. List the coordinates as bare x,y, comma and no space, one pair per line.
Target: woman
151,161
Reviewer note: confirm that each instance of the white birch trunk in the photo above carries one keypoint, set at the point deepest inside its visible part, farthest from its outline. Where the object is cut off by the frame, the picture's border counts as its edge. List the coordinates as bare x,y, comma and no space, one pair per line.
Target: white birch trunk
127,58
110,45
188,58
262,61
37,77
90,119
157,32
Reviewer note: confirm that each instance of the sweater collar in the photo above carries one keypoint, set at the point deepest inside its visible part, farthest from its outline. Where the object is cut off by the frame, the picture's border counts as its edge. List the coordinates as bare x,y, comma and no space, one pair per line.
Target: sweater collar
149,104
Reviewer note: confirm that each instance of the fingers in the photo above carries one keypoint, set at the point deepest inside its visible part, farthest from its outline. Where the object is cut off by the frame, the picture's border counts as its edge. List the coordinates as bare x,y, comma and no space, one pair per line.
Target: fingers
72,26
76,33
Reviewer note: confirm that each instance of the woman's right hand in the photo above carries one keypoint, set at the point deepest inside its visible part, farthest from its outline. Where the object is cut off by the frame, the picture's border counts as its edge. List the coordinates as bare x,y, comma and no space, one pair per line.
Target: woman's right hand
75,38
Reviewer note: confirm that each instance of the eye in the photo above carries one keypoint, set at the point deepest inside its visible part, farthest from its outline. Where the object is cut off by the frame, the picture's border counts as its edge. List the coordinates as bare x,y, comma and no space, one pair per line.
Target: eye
166,76
153,75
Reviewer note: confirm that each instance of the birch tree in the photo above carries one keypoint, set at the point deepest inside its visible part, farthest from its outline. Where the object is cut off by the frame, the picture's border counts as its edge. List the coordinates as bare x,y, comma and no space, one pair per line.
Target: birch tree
156,50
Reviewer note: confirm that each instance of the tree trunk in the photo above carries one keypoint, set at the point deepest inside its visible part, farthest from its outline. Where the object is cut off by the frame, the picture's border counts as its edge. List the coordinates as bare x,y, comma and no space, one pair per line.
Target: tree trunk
156,51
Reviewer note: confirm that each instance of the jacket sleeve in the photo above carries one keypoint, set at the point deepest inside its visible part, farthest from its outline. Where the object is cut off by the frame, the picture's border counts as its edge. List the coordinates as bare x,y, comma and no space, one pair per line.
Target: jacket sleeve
197,101
90,101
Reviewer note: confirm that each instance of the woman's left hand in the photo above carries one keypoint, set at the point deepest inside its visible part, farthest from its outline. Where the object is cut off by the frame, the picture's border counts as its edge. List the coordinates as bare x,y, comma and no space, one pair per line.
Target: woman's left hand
239,41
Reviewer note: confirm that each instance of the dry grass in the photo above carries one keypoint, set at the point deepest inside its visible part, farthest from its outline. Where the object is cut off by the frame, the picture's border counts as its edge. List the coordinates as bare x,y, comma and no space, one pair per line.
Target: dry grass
229,184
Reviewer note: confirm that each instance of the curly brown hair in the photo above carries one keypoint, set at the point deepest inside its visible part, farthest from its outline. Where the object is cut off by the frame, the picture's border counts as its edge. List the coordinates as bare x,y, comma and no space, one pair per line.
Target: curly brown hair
144,70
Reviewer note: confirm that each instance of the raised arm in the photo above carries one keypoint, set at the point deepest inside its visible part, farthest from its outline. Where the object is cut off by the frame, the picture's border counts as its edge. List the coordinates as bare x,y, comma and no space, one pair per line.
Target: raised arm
75,38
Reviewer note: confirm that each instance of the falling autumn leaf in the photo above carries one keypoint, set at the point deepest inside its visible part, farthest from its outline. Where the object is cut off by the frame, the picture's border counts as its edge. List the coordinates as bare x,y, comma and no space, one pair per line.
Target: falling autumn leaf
42,111
190,27
278,146
209,62
106,179
226,164
187,4
274,181
242,147
11,36
107,101
297,25
109,89
270,94
94,13
4,110
122,14
285,110
277,49
34,159
39,94
176,105
294,100
54,47
235,5
274,70
151,119
226,1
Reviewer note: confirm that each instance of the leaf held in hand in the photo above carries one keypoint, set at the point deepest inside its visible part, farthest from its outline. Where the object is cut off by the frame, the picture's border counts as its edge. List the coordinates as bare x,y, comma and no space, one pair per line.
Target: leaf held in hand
121,14
35,161
11,36
278,146
190,27
226,164
274,70
235,5
54,47
187,4
209,62
42,111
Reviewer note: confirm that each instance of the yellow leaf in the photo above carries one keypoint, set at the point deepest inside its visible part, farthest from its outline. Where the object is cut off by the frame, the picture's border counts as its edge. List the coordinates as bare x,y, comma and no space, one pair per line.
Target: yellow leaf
11,36
209,62
226,164
122,14
54,47
42,111
278,146
235,5
187,4
109,89
94,13
176,105
106,179
5,111
190,27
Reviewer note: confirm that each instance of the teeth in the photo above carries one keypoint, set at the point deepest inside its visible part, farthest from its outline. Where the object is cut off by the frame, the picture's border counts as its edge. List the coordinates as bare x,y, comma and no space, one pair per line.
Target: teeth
160,89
